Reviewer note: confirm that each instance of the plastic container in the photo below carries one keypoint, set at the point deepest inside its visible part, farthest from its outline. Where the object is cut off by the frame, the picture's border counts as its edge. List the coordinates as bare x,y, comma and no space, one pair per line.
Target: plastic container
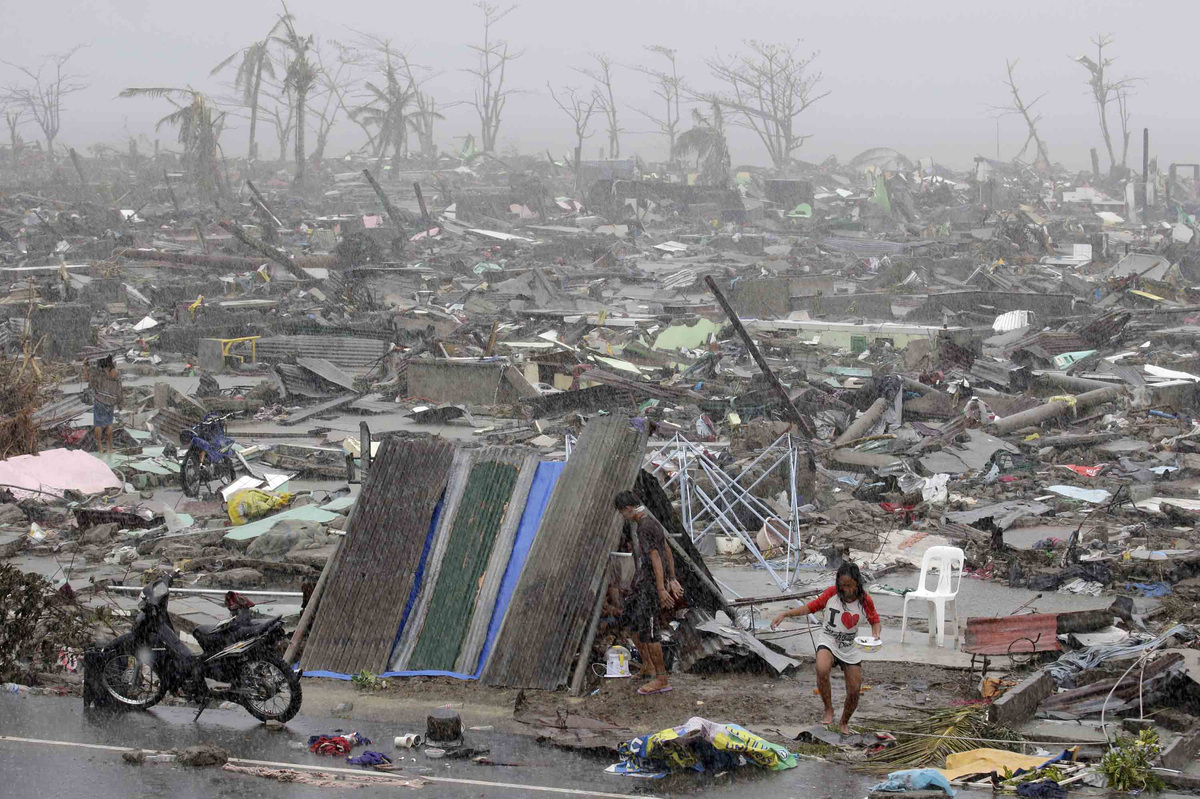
434,753
409,741
866,643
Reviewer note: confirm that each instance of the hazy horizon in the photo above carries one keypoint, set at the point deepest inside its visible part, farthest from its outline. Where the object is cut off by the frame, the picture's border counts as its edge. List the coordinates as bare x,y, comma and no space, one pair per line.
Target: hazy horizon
920,78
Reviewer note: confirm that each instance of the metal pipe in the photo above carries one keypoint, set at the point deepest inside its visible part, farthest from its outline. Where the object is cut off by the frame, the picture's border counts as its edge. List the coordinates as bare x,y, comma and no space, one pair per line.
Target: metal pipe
222,591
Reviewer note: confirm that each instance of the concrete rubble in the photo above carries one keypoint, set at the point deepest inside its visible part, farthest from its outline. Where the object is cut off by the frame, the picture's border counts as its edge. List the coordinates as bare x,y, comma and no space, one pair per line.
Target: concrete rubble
921,357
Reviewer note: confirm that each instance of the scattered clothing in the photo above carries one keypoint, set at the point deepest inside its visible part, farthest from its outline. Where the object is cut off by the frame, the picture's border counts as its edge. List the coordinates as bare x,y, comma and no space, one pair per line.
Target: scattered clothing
369,758
1042,789
1151,590
1081,586
330,744
1049,544
914,779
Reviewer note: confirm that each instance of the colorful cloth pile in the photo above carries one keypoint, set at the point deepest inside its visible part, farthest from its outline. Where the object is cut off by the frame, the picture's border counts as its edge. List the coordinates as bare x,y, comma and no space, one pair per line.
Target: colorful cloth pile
700,745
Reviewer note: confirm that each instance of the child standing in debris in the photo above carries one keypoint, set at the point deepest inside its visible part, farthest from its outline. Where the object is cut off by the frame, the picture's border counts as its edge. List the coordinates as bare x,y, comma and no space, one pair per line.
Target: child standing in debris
107,395
845,604
654,588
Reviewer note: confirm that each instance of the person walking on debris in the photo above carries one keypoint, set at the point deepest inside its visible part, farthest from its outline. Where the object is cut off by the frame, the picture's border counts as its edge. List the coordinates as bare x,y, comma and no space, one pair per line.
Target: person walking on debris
845,604
654,588
107,395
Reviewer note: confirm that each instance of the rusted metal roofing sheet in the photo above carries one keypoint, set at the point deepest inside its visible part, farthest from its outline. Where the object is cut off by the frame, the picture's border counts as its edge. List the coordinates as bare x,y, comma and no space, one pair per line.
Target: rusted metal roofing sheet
1032,632
370,583
555,599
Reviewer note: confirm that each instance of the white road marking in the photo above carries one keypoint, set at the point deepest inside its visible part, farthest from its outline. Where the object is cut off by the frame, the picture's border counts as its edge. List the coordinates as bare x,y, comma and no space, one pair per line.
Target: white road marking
307,767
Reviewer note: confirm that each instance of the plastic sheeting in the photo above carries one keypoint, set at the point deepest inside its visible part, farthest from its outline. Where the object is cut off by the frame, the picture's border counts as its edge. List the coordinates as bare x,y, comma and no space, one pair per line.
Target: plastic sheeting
56,470
544,481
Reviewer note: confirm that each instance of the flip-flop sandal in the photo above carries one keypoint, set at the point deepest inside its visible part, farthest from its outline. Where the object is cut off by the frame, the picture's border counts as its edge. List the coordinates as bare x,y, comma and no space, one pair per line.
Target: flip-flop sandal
658,691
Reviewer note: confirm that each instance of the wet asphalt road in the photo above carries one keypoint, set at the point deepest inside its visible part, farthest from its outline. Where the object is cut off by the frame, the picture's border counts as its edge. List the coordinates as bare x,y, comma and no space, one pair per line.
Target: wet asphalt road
42,771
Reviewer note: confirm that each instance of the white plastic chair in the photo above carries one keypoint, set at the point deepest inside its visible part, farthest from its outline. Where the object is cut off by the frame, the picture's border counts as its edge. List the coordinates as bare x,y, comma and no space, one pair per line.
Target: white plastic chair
949,564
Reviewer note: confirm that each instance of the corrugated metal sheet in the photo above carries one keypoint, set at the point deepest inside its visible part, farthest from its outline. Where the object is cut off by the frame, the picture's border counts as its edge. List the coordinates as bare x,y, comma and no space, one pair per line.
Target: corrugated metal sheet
299,382
473,479
345,351
327,371
563,577
1033,632
370,583
489,589
468,553
1013,320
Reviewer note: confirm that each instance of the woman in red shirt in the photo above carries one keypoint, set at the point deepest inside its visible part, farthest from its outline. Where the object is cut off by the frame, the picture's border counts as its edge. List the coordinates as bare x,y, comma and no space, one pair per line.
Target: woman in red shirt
845,604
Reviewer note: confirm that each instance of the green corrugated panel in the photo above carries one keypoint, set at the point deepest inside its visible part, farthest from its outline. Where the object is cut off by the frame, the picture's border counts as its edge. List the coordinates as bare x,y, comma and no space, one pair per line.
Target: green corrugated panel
480,514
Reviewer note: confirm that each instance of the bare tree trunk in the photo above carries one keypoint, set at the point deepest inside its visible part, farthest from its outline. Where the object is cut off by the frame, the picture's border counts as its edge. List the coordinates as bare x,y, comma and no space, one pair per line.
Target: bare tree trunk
253,149
300,100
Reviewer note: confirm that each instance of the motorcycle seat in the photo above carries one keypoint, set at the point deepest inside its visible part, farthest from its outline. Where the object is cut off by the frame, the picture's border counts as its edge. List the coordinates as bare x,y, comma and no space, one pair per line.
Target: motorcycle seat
210,633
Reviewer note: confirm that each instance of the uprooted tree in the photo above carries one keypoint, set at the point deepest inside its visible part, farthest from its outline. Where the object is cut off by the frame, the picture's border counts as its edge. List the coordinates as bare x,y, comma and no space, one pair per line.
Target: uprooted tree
491,71
768,87
1107,90
668,86
42,90
606,99
1025,110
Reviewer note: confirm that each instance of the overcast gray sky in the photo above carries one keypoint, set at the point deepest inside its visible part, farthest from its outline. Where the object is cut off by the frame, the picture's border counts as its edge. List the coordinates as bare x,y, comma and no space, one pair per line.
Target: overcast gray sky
918,76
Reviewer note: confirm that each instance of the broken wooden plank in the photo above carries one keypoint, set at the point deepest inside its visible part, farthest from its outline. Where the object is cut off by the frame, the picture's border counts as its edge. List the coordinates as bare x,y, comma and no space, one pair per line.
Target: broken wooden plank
316,410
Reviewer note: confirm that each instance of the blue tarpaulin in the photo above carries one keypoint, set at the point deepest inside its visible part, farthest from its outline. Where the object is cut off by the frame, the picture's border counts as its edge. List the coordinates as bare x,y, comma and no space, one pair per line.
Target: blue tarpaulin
544,480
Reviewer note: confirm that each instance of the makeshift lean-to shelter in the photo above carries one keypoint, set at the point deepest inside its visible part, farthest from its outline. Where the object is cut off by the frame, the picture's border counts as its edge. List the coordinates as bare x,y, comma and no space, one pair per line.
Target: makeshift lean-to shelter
467,564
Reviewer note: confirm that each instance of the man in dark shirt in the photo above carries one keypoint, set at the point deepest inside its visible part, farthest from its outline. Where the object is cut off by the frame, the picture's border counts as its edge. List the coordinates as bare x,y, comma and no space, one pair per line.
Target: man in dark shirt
654,588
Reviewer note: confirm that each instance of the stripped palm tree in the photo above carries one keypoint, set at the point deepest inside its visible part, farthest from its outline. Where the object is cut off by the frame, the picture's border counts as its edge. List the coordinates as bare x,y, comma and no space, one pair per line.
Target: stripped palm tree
706,140
199,131
255,62
388,110
299,78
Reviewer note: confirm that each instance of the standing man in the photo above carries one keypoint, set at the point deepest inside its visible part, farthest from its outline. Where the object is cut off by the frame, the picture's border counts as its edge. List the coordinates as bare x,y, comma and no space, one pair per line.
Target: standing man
107,395
654,588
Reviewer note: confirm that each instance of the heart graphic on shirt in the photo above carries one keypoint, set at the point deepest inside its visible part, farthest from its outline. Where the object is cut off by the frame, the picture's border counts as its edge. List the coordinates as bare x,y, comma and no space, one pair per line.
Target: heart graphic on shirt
849,620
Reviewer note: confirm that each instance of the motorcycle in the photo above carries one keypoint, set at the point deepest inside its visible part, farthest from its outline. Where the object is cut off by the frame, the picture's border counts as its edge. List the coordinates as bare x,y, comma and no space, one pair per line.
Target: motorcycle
240,656
210,455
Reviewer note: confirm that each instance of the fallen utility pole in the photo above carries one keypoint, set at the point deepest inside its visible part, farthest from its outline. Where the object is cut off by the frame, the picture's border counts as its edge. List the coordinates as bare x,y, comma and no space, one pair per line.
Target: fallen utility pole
270,252
392,212
804,423
263,202
1052,410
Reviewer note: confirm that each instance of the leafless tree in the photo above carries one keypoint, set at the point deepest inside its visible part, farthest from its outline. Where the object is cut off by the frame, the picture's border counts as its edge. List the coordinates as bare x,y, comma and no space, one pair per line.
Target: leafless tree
769,87
42,91
1019,106
279,114
602,74
12,118
668,86
336,81
490,71
579,107
1107,89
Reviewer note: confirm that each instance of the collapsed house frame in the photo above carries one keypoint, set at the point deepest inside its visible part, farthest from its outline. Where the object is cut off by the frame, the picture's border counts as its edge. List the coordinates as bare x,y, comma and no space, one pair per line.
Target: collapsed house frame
704,511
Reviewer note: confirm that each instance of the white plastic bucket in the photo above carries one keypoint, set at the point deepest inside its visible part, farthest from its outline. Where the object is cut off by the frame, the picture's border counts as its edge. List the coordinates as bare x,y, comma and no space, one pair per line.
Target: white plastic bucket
617,662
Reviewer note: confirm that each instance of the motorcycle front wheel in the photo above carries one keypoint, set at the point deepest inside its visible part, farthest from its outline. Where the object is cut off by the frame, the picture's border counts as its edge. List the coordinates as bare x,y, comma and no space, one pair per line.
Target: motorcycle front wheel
191,473
131,680
270,690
